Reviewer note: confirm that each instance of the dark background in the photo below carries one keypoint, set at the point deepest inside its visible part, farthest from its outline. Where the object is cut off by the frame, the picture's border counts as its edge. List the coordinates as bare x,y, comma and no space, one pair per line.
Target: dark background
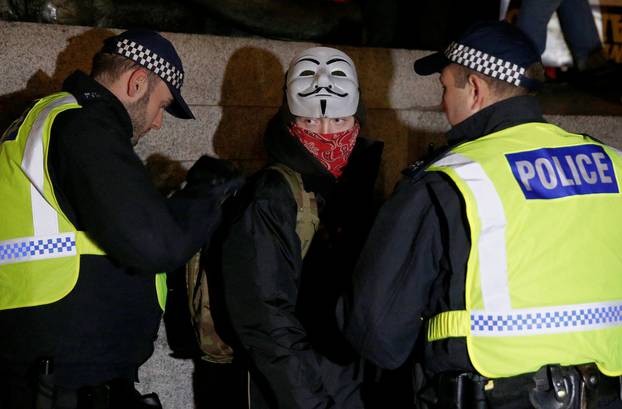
411,24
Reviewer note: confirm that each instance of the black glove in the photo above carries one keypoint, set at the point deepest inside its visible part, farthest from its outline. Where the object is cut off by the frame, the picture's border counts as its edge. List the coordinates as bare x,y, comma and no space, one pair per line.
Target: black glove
212,171
211,177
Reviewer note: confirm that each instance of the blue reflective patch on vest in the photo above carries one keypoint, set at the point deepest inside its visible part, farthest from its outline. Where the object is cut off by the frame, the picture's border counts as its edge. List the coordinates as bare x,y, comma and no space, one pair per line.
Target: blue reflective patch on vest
11,133
548,320
551,173
34,248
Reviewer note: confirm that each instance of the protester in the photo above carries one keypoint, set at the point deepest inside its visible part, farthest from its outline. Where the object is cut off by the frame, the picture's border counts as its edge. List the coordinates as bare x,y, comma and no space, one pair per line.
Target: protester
281,302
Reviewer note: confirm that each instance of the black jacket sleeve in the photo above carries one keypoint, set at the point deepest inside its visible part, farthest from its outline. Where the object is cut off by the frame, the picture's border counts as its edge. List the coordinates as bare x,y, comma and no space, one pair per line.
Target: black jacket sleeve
107,191
261,274
394,276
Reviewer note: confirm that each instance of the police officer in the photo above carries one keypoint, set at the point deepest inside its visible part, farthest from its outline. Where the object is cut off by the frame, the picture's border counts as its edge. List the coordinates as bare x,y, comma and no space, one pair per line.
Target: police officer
85,236
494,266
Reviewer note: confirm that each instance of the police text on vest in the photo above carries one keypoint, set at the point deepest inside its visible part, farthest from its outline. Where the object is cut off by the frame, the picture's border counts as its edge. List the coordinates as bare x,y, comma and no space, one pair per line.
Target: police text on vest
552,173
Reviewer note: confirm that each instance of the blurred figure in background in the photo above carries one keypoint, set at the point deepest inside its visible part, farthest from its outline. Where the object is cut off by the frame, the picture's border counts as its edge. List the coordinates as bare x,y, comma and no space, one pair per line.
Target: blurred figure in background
592,71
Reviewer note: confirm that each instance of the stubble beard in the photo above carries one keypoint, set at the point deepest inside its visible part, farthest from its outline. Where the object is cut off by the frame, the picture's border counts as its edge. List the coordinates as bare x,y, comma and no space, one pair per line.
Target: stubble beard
138,115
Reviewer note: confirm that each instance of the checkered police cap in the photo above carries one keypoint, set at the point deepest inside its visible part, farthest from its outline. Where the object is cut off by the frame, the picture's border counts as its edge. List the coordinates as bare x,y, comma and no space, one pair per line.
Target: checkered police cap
496,49
154,52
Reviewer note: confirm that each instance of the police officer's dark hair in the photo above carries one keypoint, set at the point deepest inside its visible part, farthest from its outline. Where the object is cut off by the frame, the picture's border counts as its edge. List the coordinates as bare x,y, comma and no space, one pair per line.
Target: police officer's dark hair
108,67
499,87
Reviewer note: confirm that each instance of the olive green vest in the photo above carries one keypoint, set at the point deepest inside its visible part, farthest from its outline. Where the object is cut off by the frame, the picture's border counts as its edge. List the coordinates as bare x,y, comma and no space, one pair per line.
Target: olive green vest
543,280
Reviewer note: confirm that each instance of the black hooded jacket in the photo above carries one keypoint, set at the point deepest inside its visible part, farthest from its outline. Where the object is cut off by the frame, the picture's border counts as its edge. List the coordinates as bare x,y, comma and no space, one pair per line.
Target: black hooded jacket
282,308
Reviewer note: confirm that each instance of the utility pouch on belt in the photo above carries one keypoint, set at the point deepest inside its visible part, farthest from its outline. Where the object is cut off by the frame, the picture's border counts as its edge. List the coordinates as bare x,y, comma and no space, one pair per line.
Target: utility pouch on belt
572,387
557,387
462,391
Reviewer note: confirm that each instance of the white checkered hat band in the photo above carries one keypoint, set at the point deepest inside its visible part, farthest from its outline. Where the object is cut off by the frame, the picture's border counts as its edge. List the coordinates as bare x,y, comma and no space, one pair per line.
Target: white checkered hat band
150,60
485,63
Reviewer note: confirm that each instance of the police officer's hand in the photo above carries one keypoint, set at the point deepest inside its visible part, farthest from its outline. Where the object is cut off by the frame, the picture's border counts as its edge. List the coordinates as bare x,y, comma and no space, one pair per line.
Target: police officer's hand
212,177
213,171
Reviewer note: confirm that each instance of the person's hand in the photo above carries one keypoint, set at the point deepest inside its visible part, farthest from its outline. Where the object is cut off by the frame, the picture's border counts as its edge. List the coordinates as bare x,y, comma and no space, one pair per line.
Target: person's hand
212,171
212,177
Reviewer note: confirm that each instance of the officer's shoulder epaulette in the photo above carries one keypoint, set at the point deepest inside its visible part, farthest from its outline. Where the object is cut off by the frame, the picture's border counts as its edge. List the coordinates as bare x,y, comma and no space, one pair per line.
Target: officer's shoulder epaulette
416,170
90,95
413,169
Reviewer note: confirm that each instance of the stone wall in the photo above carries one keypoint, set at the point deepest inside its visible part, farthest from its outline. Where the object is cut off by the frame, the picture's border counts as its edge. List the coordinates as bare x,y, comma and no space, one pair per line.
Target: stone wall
233,86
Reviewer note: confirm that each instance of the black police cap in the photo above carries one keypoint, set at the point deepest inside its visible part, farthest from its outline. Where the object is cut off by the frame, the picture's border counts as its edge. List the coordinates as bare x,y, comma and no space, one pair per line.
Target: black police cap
154,52
493,48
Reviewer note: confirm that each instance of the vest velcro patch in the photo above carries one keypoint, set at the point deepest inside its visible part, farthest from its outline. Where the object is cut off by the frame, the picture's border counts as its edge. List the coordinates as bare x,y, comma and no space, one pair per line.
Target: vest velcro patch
551,173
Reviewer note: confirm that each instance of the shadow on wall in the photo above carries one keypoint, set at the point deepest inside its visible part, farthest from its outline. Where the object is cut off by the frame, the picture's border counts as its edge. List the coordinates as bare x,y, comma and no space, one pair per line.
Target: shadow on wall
166,174
409,133
252,77
77,55
375,72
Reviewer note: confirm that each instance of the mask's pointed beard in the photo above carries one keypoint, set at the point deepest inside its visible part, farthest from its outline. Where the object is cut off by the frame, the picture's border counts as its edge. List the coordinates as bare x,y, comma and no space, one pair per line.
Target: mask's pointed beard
323,106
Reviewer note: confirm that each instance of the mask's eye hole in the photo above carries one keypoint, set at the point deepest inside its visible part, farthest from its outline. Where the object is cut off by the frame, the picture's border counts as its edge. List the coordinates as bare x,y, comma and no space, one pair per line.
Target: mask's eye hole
338,73
307,73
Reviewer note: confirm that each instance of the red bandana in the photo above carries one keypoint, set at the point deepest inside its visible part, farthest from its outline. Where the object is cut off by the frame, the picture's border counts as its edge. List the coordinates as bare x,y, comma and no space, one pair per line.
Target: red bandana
331,149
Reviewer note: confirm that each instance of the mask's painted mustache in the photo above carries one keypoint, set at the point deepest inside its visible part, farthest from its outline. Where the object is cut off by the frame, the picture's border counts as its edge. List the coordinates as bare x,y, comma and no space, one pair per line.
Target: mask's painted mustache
318,89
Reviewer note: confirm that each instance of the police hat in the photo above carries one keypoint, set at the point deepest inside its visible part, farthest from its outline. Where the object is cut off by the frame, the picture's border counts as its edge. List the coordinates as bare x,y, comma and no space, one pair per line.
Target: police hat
154,52
494,48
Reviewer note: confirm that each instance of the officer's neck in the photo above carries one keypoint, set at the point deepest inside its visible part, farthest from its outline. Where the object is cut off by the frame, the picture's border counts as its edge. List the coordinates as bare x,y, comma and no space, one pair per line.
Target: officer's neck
496,117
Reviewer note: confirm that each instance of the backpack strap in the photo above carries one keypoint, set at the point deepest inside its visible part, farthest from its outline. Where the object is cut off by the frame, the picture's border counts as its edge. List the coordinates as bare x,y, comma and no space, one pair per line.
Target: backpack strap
307,219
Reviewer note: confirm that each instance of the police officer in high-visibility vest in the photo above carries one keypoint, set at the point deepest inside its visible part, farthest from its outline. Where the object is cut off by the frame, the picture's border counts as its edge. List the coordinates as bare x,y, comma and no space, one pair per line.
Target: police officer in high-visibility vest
493,269
85,236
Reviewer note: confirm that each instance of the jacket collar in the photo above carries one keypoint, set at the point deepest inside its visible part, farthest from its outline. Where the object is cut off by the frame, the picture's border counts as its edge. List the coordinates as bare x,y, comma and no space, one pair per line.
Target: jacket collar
501,115
87,91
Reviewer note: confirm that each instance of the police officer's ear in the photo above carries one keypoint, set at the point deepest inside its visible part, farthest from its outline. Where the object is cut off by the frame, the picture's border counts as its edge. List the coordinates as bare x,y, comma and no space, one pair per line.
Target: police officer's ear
137,84
480,95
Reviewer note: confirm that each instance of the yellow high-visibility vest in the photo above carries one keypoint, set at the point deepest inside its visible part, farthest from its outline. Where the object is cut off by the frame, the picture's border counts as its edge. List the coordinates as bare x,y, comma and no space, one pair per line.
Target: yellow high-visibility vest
39,247
544,274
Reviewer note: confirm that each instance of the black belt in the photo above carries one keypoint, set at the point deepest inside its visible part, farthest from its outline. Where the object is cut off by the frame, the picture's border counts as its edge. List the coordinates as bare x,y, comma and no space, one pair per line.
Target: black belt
552,384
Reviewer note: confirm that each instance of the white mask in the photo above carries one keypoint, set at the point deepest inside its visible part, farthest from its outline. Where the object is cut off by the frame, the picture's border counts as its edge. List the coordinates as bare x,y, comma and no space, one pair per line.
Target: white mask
322,82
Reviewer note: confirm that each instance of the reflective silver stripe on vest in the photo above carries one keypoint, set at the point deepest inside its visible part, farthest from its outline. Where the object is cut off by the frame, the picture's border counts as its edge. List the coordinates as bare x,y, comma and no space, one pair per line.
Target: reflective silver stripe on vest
44,216
547,320
491,246
37,248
